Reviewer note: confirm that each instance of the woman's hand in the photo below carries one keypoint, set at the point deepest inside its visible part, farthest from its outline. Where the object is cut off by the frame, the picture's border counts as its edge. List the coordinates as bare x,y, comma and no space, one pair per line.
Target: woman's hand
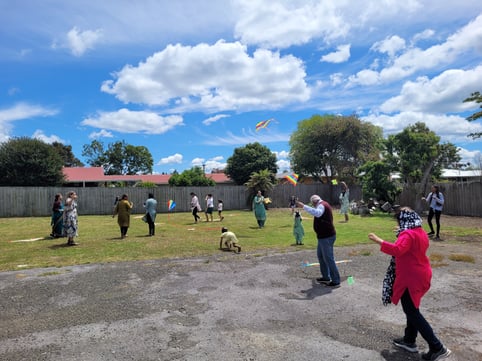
299,204
373,237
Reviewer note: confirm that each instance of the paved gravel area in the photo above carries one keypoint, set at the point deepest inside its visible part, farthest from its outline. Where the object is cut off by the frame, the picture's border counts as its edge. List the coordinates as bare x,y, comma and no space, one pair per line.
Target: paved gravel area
261,306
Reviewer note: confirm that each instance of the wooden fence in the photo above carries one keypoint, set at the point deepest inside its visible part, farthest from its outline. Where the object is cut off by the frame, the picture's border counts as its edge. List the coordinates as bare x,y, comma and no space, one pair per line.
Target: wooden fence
461,199
37,201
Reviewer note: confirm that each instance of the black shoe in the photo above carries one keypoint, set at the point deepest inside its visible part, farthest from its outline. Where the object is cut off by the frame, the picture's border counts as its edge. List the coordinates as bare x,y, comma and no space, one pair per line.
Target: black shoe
439,355
437,239
323,280
332,285
410,347
430,233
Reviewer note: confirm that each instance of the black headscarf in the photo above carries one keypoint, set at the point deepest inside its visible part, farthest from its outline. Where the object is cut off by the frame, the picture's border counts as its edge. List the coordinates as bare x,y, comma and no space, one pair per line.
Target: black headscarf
408,219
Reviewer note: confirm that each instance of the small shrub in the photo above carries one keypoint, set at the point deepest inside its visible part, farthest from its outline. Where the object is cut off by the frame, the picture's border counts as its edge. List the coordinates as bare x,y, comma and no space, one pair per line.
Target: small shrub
460,257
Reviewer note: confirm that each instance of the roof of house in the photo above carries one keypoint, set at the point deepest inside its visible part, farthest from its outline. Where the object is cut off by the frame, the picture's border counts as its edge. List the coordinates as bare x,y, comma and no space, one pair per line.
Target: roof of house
84,174
96,174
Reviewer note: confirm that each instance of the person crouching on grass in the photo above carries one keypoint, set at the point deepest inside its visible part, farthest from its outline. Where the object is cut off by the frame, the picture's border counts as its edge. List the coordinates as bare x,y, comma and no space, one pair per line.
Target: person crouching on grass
229,240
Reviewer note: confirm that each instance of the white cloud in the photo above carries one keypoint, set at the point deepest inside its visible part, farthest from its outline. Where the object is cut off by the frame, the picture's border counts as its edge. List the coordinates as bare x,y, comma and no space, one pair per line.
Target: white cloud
285,23
215,77
172,159
39,134
341,55
283,165
474,157
426,34
127,121
214,119
21,111
463,42
247,136
442,94
282,154
209,164
101,134
25,111
451,128
80,41
390,46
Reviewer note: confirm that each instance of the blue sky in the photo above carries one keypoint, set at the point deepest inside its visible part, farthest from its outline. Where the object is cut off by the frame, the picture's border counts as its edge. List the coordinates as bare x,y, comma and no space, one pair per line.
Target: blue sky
189,79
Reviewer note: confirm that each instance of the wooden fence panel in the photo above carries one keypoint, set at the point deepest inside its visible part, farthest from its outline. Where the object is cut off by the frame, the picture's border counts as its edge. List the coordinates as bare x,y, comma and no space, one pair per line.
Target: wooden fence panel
462,199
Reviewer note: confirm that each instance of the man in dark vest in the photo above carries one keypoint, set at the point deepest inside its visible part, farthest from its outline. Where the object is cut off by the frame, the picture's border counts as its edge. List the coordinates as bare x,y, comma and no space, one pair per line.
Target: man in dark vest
326,235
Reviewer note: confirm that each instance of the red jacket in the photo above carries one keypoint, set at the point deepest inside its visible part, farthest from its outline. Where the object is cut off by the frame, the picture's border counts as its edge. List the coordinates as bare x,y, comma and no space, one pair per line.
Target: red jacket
412,266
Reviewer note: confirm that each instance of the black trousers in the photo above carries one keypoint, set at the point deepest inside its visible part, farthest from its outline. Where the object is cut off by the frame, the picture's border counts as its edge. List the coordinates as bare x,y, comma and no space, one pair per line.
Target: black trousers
152,226
417,323
437,214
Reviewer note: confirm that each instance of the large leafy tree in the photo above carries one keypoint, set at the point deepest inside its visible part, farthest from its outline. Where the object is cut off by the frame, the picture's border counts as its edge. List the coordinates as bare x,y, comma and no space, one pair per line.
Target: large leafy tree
29,162
191,177
68,157
418,155
329,145
377,182
119,158
475,97
246,160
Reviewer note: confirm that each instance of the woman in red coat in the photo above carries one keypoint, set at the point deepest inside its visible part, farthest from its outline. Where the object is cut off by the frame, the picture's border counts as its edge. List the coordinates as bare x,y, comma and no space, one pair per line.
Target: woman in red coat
412,280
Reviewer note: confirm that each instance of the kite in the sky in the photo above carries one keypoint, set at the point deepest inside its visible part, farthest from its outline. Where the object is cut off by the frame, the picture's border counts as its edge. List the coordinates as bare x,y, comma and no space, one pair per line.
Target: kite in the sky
292,178
263,124
171,205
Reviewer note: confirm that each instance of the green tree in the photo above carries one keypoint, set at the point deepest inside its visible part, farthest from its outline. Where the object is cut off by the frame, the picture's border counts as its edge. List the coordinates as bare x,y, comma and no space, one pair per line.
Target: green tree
191,177
65,152
475,97
138,159
119,158
332,145
29,162
377,182
263,181
246,160
95,154
417,154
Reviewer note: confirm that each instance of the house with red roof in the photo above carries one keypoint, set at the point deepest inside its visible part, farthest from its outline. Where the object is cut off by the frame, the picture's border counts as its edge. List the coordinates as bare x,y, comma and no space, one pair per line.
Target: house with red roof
94,177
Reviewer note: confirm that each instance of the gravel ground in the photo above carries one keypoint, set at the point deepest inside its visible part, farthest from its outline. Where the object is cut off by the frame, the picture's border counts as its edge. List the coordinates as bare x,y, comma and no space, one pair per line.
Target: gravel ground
232,307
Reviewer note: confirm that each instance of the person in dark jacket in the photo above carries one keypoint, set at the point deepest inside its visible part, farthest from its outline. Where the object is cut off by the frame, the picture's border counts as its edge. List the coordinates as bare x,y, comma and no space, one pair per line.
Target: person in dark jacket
326,235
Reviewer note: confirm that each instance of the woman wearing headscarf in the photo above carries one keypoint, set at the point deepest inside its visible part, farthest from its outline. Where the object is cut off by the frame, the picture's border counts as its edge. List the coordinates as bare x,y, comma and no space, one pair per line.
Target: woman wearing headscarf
413,275
259,209
57,221
344,200
70,218
123,212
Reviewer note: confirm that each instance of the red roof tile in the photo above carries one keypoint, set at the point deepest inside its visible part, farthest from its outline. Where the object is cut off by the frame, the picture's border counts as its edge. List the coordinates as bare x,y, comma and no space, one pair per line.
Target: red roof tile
96,174
84,174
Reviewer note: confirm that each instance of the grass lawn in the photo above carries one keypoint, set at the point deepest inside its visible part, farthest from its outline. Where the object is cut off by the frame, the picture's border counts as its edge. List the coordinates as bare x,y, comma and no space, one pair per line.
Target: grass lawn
24,242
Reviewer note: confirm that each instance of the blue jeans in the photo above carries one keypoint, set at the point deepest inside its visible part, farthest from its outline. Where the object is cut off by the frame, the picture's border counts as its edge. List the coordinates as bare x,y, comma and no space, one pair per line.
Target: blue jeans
417,323
326,258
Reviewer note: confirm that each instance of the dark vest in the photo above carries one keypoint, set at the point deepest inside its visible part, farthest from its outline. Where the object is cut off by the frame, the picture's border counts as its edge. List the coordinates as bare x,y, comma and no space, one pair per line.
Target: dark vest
323,226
